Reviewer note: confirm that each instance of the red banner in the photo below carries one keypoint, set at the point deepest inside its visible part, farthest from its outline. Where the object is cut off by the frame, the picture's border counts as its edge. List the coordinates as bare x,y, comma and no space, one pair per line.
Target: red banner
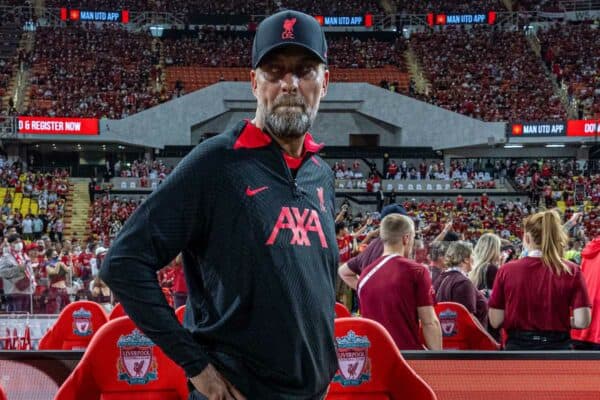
587,127
58,126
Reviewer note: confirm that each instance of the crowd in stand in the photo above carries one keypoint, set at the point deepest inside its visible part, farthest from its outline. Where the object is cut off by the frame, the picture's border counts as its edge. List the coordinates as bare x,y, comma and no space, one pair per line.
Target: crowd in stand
151,169
486,74
211,48
572,52
92,72
28,236
444,6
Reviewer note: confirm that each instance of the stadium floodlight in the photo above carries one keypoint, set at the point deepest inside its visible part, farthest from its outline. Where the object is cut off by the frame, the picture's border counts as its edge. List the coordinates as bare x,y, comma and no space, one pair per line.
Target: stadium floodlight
555,145
513,146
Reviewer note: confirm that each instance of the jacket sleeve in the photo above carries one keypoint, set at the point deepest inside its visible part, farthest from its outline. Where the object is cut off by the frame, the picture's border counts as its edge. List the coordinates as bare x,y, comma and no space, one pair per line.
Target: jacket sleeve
167,223
9,269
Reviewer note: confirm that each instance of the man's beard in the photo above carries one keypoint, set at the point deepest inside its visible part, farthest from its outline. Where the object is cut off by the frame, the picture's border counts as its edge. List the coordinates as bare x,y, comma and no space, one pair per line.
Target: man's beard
284,122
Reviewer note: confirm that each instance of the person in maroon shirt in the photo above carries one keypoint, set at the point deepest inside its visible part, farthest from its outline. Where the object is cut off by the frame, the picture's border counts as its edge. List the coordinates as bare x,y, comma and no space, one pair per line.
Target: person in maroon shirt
454,285
532,297
350,270
396,291
437,256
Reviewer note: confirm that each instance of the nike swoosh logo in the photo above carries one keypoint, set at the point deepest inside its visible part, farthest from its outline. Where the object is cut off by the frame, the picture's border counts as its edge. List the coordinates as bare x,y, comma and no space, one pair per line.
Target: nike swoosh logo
254,192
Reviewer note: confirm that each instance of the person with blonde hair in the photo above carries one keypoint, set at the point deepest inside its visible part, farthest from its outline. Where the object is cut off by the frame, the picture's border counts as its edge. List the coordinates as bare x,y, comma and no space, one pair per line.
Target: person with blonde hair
454,285
532,297
396,291
487,258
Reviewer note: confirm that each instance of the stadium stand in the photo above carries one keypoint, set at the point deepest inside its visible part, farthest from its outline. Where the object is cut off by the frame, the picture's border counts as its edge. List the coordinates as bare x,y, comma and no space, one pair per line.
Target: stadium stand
511,85
571,53
92,72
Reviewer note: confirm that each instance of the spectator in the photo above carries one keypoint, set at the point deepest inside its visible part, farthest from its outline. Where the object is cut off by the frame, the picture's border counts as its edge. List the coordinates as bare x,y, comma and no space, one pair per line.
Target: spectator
396,291
454,285
17,275
532,298
351,270
589,339
487,259
437,255
58,273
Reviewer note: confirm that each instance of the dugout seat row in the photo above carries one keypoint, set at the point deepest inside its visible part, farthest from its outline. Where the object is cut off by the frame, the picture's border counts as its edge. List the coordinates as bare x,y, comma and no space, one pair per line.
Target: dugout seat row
121,363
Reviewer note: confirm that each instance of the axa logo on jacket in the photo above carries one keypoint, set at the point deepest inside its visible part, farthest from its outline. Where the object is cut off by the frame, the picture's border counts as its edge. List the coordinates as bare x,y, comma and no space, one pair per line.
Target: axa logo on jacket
300,223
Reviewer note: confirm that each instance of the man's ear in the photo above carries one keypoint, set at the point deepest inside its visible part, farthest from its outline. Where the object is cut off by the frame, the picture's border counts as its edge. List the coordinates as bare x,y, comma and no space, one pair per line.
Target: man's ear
253,82
325,83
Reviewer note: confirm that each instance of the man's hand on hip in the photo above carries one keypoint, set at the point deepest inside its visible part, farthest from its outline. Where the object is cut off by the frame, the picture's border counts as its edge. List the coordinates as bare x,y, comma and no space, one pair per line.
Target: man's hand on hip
214,386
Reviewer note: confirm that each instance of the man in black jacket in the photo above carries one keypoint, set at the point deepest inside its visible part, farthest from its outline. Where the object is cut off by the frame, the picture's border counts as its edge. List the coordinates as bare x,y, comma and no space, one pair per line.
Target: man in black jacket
252,212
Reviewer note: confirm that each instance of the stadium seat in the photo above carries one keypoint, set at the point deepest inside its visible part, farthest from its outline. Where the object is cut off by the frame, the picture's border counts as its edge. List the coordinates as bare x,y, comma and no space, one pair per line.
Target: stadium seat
438,187
389,187
121,363
116,312
411,187
2,393
419,187
123,185
75,327
371,366
460,330
400,187
429,187
341,311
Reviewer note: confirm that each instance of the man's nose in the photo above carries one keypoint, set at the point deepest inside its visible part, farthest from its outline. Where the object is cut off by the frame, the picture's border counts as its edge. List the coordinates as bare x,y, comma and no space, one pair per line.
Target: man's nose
290,82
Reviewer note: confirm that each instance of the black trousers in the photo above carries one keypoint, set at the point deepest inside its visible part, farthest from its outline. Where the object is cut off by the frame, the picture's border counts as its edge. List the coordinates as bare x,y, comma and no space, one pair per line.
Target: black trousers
542,340
580,345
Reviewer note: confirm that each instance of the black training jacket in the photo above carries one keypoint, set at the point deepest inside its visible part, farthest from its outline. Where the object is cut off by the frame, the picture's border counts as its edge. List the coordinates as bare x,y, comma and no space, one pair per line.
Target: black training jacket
260,257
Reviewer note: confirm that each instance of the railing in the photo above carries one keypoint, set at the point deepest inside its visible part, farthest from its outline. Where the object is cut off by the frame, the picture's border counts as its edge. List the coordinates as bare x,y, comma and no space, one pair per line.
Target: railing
579,5
8,127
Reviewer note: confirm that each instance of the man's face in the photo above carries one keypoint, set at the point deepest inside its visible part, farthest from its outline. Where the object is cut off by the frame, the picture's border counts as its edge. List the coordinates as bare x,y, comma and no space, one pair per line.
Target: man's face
288,86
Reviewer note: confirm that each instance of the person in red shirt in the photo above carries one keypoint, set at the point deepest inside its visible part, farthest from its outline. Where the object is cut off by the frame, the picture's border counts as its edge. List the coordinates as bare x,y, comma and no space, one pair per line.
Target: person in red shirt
396,291
180,290
533,297
344,242
392,170
589,339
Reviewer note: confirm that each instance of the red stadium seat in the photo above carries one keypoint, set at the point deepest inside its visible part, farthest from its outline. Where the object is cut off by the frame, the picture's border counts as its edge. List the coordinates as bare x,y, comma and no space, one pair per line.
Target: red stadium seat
460,330
341,311
371,366
75,326
121,363
116,312
179,313
2,393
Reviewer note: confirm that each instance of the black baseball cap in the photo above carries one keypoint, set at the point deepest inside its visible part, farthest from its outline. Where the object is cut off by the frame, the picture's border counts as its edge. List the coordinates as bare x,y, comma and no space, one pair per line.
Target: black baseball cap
393,209
286,28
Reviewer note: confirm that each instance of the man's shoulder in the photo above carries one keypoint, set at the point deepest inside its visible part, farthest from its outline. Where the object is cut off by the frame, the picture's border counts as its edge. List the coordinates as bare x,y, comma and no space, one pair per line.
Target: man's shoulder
215,147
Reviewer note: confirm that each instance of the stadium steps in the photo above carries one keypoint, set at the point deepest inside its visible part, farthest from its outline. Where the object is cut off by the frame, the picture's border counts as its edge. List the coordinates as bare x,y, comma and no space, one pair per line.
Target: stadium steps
21,89
422,85
559,90
79,204
14,81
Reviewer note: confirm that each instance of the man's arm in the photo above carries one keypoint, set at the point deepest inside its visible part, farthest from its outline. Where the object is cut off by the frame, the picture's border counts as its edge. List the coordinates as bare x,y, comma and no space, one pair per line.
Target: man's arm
164,225
496,317
442,235
8,269
582,317
432,331
348,276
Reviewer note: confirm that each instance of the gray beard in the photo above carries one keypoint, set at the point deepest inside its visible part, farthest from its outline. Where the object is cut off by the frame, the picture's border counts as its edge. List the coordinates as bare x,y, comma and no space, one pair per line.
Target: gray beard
288,124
